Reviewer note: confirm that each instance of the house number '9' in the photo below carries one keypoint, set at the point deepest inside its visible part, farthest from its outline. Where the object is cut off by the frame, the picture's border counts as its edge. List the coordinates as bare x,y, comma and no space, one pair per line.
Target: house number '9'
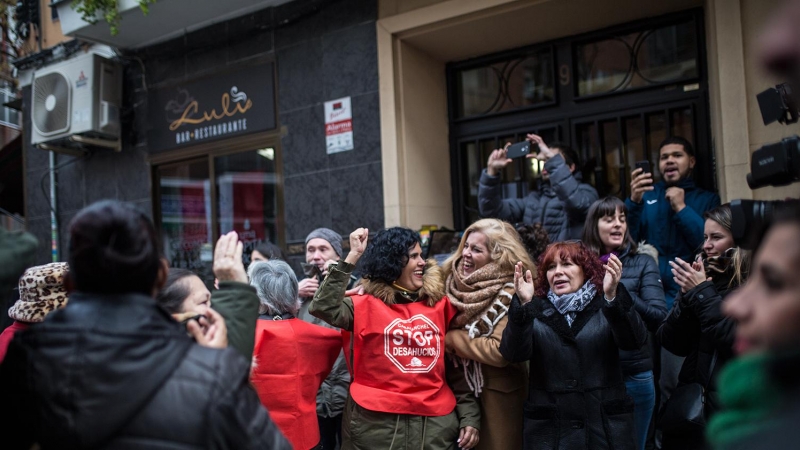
563,75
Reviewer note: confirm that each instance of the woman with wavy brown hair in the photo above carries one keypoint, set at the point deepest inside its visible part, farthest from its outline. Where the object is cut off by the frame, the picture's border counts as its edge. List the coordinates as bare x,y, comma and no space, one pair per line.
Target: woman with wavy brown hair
479,283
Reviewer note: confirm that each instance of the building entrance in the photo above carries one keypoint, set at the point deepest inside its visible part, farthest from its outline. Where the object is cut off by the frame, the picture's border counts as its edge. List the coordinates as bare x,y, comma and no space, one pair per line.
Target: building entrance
612,95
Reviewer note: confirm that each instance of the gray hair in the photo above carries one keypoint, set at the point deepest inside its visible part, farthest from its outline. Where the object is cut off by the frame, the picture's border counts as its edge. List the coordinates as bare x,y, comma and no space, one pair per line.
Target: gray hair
276,286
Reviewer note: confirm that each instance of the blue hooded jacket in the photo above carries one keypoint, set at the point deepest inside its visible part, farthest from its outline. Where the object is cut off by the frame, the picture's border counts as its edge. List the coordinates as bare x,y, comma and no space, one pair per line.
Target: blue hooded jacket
674,235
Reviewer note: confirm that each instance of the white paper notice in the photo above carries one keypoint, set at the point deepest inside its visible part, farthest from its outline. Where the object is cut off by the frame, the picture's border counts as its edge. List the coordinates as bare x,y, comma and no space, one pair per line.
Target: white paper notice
338,125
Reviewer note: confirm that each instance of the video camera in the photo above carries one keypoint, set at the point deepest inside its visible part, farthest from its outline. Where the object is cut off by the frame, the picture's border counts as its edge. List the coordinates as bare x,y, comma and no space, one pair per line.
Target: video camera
775,164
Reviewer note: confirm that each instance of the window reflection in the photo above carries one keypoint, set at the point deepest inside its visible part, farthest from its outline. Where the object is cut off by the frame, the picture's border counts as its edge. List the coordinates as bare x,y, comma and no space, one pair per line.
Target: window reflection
186,215
247,197
507,85
641,59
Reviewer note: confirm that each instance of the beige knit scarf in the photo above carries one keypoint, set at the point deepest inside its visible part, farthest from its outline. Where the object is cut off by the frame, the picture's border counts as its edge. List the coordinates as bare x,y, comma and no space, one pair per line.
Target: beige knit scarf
481,302
477,298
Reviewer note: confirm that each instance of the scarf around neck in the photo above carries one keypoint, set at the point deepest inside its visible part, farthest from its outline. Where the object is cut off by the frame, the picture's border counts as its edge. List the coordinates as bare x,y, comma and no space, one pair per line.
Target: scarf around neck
749,398
569,305
477,297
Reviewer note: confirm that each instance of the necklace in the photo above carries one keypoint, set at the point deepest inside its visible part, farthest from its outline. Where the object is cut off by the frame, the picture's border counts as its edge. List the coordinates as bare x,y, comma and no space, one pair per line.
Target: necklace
411,295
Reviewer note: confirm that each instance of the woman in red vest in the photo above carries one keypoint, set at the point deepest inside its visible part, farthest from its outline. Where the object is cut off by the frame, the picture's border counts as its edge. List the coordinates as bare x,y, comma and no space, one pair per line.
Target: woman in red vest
403,394
480,284
291,357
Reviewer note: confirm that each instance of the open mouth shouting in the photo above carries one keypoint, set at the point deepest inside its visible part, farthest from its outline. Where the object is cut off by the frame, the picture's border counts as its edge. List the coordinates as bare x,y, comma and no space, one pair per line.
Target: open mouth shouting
671,172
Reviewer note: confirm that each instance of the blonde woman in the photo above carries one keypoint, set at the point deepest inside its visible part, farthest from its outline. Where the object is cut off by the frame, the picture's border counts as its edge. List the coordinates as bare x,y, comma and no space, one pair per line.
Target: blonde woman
480,284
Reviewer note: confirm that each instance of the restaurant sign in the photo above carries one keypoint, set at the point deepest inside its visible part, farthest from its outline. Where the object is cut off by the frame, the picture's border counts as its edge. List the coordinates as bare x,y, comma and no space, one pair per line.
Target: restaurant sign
219,107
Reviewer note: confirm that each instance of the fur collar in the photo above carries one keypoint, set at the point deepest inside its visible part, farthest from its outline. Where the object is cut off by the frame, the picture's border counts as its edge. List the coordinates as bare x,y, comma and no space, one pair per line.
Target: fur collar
649,250
432,286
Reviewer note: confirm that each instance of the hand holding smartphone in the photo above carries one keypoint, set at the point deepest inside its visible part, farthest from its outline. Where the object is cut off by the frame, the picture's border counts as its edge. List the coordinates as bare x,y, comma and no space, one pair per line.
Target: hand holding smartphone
644,165
521,149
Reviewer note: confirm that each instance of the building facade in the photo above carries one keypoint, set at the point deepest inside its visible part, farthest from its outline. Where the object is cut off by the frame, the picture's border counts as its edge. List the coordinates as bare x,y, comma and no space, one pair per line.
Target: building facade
241,123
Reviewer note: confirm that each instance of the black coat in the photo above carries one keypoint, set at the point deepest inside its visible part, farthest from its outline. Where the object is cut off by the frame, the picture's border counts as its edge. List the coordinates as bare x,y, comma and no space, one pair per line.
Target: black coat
642,280
696,328
576,397
117,372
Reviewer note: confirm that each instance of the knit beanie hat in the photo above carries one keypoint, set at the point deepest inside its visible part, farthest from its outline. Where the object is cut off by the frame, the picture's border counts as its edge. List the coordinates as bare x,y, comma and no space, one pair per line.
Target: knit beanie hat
41,291
329,235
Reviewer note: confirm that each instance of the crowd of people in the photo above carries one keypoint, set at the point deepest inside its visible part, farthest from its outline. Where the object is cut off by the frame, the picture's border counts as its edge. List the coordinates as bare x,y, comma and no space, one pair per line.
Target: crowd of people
644,327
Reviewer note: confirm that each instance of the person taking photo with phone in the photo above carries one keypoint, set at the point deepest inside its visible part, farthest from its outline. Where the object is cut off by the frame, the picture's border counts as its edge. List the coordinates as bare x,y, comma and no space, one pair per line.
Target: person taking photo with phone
560,202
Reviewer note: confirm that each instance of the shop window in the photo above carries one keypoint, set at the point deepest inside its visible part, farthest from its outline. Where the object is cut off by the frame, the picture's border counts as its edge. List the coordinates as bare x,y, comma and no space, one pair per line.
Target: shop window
652,57
204,198
507,85
185,206
247,197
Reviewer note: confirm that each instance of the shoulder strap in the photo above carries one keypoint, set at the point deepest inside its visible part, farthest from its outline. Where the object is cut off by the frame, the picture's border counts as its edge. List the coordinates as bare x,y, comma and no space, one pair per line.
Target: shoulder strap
711,370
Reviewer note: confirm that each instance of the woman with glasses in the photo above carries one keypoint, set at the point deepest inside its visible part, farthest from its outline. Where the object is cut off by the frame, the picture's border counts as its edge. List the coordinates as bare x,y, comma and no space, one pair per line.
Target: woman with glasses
570,327
606,233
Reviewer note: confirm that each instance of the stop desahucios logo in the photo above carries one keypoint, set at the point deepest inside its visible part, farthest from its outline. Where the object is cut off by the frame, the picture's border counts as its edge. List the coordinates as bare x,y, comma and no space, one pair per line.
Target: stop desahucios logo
413,344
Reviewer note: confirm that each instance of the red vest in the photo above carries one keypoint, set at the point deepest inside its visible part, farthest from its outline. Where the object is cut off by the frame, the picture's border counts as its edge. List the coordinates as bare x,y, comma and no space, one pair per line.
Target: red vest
398,357
8,334
292,358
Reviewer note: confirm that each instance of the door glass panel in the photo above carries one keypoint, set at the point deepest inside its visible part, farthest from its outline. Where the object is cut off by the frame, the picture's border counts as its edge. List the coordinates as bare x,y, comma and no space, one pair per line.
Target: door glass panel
186,216
683,123
634,141
645,58
589,148
247,197
612,156
656,133
507,85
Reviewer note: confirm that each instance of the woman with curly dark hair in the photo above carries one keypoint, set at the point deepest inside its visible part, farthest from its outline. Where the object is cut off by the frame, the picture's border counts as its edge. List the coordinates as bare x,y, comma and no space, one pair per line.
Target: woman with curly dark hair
571,329
403,395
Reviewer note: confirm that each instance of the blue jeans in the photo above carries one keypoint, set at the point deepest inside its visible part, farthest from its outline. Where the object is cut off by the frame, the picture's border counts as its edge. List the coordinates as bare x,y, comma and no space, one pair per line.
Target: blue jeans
641,387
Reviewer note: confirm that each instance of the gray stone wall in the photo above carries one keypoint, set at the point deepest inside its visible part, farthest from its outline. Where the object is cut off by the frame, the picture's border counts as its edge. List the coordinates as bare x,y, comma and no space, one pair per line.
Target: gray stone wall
323,50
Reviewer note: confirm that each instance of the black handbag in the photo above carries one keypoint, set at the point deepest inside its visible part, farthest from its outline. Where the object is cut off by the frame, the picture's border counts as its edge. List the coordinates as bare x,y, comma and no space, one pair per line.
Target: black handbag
684,411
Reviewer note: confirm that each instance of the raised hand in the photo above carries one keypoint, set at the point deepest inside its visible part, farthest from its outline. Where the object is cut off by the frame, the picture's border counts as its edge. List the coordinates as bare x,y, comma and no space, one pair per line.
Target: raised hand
307,287
640,183
688,276
497,161
523,284
545,152
613,275
676,196
210,331
358,244
228,265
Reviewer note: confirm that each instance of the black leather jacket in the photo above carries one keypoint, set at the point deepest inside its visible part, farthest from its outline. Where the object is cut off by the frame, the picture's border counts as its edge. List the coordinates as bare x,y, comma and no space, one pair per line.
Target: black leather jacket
576,396
696,329
117,372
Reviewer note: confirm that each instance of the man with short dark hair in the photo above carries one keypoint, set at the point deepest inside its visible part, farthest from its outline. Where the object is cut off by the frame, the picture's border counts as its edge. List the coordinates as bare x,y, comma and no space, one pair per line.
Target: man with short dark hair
669,214
559,204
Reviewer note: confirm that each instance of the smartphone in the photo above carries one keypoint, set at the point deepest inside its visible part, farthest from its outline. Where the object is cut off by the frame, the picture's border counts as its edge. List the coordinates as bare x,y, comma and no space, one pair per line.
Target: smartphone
644,165
519,150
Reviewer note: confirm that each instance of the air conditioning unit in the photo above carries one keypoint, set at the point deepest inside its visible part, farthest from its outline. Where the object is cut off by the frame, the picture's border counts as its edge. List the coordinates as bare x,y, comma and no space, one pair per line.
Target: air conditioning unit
77,101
